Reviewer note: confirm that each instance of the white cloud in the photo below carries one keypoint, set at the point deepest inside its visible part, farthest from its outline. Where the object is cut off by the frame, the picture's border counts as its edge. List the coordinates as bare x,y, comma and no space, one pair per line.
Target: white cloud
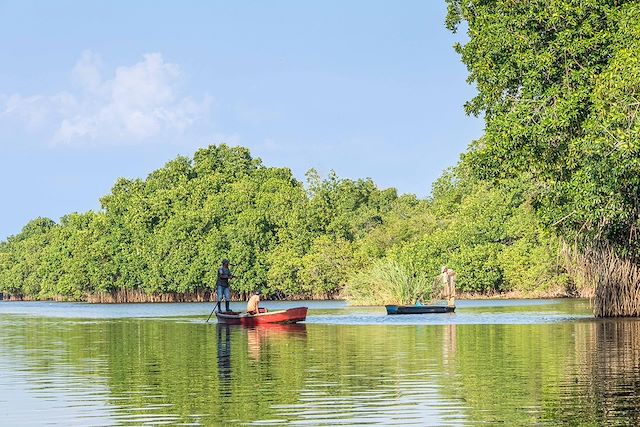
86,73
137,103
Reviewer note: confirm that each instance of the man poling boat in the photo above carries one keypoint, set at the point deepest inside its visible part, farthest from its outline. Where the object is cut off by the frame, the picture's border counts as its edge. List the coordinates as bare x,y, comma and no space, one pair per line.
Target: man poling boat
255,315
448,278
222,284
222,287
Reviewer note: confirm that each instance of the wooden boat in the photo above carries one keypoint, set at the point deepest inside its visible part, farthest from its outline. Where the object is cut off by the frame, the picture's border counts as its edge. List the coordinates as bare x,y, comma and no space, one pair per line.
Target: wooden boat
291,315
418,309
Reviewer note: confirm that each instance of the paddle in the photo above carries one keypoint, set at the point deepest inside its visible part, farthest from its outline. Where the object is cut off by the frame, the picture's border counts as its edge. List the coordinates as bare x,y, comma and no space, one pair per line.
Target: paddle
214,309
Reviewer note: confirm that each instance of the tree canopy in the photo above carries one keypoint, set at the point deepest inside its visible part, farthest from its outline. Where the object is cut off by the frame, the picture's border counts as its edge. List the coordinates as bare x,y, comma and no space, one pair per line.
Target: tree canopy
559,87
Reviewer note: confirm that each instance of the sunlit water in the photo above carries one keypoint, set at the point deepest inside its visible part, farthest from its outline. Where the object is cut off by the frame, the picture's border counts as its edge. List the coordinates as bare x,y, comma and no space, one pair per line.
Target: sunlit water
492,362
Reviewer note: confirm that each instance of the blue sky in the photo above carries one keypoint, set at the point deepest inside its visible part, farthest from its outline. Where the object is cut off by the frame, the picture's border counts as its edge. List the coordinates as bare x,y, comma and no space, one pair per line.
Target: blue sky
93,91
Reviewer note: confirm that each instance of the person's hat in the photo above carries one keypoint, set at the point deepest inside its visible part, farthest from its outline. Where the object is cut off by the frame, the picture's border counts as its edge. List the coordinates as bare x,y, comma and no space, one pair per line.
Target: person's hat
225,261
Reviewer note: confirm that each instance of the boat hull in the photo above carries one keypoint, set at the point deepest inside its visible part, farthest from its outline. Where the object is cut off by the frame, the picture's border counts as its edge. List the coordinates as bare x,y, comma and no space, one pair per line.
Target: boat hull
418,309
293,315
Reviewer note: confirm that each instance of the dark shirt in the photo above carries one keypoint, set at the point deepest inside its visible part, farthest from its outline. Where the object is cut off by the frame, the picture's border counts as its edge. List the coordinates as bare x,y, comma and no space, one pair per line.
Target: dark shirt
223,277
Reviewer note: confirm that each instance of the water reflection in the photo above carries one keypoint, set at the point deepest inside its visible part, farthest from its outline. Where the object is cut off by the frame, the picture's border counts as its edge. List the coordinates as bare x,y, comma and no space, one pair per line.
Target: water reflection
224,358
619,369
259,336
154,371
604,383
449,344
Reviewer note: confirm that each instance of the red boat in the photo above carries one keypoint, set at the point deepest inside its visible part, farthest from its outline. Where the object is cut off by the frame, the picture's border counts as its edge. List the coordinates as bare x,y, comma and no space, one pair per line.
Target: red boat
292,315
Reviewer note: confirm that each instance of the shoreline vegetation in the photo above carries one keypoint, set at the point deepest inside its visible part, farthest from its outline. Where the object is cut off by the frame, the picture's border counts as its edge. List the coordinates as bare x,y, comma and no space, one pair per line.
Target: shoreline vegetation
142,298
161,239
138,296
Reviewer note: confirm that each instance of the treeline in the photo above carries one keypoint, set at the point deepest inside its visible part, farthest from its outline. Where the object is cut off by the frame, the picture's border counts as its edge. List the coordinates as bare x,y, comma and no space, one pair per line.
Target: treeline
162,238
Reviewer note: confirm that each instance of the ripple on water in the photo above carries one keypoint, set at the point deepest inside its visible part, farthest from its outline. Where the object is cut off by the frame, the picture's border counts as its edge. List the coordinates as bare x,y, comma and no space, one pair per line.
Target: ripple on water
507,364
461,318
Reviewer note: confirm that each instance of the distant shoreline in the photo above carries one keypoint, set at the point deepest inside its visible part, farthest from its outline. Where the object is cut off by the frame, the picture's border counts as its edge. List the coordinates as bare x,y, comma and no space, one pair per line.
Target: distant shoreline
141,298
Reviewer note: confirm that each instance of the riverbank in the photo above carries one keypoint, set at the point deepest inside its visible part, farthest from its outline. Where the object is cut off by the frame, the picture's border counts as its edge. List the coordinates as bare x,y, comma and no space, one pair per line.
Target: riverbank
137,296
548,294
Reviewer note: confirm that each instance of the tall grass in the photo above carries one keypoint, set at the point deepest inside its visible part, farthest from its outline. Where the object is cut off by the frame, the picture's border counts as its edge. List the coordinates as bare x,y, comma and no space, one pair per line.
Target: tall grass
616,281
388,282
581,283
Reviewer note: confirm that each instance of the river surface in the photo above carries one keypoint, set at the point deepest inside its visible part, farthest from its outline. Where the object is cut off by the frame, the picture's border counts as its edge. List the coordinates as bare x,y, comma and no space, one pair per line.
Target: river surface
514,362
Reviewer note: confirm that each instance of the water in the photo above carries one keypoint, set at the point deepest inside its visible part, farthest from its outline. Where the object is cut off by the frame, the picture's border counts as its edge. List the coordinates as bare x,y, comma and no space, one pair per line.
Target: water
544,362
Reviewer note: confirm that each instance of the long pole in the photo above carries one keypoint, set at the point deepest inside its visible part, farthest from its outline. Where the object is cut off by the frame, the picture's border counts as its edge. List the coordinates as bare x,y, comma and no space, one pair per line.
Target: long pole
214,309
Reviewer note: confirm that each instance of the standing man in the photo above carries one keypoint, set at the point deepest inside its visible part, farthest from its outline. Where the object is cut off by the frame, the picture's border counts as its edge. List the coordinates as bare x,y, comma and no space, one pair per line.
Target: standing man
223,291
448,277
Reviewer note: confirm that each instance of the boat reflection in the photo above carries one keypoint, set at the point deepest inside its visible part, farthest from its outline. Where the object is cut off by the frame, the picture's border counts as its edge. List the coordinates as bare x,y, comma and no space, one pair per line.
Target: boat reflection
259,336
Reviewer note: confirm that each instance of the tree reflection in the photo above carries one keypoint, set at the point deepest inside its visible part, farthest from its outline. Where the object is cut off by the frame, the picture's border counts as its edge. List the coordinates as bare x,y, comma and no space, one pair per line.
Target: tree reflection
605,386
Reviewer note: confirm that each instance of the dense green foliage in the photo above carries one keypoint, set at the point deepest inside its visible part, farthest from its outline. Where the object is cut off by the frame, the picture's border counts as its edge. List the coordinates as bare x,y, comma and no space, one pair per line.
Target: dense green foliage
489,235
168,233
559,87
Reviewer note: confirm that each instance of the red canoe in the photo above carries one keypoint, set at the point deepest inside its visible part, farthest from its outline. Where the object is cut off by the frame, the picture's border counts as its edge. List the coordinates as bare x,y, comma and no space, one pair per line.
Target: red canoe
292,315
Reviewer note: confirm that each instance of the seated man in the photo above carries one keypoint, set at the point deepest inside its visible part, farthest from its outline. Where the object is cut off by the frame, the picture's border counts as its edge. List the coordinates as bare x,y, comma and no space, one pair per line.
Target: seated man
253,304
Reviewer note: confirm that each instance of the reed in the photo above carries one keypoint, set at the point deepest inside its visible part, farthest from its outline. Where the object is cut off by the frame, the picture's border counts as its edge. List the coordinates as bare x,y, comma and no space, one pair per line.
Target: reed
577,267
615,281
388,282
